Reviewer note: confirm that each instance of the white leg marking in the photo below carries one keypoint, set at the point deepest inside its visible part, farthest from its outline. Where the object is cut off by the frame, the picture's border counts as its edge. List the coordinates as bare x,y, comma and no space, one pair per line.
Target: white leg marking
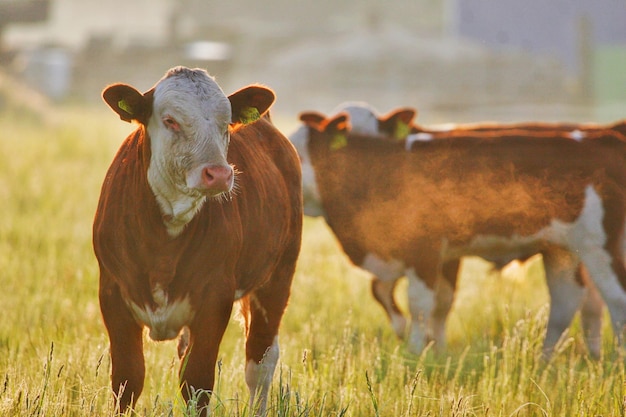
565,295
591,315
444,297
589,238
421,304
259,378
387,272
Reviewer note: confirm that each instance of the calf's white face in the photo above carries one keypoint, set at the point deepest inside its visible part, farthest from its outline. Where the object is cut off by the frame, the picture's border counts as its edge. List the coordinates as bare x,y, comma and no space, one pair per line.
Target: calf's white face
363,117
189,141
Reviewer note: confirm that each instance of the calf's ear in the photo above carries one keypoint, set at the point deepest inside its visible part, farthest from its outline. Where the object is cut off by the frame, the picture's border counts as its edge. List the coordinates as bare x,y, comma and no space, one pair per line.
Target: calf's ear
312,119
129,103
336,128
250,103
337,124
397,123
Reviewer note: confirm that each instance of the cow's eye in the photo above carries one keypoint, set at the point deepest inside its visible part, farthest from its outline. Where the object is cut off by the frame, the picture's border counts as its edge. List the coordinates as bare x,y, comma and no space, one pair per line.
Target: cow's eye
171,123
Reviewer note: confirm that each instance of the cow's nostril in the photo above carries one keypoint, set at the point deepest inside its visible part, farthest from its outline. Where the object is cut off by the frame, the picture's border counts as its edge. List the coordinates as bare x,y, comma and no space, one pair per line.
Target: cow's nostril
217,178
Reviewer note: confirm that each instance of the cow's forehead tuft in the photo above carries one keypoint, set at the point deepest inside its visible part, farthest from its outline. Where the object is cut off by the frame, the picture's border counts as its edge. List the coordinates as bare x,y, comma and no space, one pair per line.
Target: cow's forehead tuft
192,74
181,86
197,81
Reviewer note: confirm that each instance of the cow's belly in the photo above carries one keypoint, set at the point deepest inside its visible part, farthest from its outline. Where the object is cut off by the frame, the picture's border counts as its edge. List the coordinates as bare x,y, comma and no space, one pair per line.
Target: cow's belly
497,249
577,236
166,319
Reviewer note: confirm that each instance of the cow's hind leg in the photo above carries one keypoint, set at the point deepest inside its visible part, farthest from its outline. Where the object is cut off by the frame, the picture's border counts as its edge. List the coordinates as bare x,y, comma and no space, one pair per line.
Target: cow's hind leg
126,345
602,251
263,311
383,292
566,294
591,314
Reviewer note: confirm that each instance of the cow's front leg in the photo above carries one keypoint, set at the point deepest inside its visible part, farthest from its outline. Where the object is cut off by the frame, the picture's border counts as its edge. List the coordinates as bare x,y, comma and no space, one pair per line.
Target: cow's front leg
386,276
197,371
126,345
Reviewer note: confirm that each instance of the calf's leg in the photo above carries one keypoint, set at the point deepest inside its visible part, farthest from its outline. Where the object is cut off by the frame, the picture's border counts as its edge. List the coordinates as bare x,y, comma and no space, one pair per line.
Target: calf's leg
591,315
386,275
566,294
383,292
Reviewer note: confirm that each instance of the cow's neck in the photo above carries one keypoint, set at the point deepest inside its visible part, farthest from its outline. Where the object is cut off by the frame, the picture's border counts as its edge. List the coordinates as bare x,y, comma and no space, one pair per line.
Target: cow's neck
178,204
177,208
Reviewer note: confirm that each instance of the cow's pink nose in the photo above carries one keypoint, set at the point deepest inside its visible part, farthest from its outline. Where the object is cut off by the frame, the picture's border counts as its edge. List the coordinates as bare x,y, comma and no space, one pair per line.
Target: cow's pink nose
217,179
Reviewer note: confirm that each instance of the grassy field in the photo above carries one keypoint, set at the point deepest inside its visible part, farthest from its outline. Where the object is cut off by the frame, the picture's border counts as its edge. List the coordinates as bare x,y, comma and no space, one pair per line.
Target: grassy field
339,355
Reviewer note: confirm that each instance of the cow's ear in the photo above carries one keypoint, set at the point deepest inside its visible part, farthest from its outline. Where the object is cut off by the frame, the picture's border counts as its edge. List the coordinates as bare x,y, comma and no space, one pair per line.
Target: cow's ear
338,123
397,123
336,129
129,103
250,103
312,119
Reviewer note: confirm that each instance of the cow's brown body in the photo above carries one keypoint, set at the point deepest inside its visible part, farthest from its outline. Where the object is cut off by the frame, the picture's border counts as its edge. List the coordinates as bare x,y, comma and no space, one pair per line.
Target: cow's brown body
504,197
244,247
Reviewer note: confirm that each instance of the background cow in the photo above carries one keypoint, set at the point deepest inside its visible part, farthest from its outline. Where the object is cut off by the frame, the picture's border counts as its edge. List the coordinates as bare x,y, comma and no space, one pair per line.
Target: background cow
560,316
201,207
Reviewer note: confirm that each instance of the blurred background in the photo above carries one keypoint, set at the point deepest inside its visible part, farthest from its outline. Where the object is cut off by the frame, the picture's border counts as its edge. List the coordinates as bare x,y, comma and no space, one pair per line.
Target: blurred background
454,60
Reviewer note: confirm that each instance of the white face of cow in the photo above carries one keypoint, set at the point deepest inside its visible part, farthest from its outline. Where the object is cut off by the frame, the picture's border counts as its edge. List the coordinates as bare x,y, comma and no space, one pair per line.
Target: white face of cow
187,117
189,141
363,117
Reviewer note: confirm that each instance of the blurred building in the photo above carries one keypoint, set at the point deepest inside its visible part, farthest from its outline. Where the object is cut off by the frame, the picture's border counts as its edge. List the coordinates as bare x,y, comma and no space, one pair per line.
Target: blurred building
587,37
438,53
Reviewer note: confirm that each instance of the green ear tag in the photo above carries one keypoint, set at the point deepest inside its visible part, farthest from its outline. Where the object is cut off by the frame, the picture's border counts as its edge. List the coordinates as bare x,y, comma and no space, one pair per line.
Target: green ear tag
338,141
249,115
122,104
402,130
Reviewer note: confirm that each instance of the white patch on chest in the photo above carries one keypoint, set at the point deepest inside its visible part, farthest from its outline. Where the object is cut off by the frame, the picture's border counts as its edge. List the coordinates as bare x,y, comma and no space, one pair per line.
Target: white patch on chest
166,320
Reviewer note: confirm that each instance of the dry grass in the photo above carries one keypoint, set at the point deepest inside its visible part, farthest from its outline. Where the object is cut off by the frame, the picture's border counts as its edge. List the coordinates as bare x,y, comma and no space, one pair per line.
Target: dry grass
339,355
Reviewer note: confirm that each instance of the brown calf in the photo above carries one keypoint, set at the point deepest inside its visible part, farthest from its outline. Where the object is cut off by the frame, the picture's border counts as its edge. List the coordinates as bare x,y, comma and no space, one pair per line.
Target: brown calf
550,195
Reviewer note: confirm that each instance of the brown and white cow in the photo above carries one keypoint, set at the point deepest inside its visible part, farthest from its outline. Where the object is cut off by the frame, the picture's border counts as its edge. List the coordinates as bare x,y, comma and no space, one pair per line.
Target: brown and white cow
365,119
200,207
361,208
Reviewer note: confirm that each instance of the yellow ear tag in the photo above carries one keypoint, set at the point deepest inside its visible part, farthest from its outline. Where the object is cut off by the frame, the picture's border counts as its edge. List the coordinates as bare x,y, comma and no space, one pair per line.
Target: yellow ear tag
249,115
122,104
402,130
338,141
